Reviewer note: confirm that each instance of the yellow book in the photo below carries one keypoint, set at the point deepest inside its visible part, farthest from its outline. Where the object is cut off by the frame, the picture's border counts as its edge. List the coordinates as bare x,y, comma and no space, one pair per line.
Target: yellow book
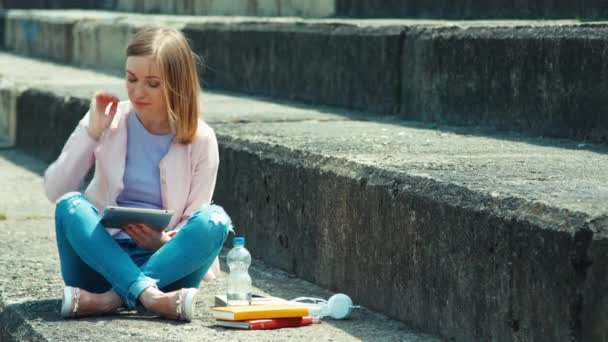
220,300
244,312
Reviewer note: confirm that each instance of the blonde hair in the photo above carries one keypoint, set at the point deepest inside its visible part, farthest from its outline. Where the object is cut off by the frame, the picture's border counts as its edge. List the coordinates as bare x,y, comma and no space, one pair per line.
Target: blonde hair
177,63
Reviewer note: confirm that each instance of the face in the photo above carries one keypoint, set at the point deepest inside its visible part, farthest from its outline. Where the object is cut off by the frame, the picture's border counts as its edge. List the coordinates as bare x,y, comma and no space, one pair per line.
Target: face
144,85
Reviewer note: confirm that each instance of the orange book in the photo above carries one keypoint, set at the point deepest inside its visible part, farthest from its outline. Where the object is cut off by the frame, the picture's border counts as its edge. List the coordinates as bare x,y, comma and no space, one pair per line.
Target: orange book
245,312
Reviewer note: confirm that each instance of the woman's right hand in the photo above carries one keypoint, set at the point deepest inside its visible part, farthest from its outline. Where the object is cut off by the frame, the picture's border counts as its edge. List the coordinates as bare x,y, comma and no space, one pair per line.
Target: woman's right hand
98,120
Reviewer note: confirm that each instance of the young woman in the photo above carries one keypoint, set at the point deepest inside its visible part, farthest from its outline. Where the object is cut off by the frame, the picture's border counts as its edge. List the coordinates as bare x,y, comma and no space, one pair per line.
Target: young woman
152,151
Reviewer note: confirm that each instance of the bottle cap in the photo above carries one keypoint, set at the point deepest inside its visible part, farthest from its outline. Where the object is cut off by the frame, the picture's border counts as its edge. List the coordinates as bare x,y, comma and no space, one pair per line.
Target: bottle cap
238,241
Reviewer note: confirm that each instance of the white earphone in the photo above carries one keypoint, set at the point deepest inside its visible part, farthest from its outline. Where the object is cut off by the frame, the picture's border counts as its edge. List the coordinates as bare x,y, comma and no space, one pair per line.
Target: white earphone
339,306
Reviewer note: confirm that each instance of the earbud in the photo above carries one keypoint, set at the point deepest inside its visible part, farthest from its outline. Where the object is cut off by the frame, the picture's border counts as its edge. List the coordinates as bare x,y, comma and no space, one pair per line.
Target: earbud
339,306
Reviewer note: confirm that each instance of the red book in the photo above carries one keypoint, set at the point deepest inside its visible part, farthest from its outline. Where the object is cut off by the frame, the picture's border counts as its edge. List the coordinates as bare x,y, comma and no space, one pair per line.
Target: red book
270,323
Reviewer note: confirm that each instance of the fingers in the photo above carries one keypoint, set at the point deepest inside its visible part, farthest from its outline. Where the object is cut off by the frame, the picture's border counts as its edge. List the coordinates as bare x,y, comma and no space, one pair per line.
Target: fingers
103,97
140,232
135,233
107,110
106,103
147,230
146,237
111,108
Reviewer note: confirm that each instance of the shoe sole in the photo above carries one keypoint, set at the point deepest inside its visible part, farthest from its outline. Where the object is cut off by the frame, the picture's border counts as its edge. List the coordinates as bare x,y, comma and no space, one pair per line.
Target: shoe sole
189,305
66,303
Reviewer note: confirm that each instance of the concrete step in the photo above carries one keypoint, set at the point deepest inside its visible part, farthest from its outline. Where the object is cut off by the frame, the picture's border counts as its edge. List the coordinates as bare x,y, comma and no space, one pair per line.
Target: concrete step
473,9
470,9
264,8
465,233
31,285
510,75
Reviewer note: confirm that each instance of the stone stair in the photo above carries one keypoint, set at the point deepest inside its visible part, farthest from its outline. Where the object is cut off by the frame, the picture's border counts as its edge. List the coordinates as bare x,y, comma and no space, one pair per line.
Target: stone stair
418,172
540,78
442,9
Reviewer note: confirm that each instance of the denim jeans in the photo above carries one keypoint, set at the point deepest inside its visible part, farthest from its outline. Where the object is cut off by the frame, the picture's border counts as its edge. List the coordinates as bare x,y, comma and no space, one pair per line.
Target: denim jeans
91,259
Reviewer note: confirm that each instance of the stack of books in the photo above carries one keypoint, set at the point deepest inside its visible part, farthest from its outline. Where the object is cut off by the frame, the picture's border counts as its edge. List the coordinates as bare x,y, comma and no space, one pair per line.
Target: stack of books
262,316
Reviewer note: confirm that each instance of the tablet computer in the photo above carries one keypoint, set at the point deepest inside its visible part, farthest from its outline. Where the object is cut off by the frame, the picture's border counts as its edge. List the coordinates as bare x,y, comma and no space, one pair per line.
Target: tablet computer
119,217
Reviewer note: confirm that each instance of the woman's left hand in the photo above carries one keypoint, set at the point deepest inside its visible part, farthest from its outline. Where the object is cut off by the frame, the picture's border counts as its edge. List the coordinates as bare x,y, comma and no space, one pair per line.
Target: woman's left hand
146,237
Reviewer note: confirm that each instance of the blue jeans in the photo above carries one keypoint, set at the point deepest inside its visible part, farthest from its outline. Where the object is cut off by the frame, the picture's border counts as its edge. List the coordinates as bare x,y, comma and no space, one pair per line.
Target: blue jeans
91,259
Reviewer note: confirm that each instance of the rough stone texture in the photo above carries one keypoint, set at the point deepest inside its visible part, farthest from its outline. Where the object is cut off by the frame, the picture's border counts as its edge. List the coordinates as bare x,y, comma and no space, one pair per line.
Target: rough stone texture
309,8
8,114
470,234
331,64
446,9
28,35
60,118
101,47
31,286
269,8
90,39
470,239
473,9
54,4
8,4
44,139
540,80
2,15
594,319
100,41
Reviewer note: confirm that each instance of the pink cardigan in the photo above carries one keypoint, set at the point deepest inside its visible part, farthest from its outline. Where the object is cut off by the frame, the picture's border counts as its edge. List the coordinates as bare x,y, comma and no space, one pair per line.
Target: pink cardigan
188,172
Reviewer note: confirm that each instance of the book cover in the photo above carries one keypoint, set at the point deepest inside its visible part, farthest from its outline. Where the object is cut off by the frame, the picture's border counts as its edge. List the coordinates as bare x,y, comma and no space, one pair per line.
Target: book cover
256,299
245,312
264,324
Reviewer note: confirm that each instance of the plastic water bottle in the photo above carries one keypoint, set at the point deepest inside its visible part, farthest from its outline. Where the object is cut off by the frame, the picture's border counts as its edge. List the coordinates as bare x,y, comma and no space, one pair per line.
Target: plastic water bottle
239,282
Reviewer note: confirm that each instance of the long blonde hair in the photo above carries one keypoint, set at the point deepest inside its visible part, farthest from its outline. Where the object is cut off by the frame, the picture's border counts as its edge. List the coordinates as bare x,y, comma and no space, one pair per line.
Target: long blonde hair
177,63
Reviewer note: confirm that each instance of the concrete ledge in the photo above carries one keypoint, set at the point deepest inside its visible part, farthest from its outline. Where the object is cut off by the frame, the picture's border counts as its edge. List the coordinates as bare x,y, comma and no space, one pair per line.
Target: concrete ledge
54,4
262,8
473,9
61,114
52,38
460,9
507,75
539,80
468,265
14,327
594,312
468,234
8,119
101,47
2,16
341,65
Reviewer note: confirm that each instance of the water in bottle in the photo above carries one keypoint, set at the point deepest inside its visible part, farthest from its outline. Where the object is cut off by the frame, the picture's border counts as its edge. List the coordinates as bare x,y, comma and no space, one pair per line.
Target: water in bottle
239,282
